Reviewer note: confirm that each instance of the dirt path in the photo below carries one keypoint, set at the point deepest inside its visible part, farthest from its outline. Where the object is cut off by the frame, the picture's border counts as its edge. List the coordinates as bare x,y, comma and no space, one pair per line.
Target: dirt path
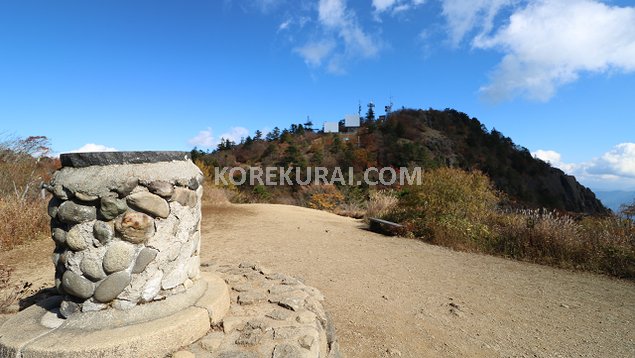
395,296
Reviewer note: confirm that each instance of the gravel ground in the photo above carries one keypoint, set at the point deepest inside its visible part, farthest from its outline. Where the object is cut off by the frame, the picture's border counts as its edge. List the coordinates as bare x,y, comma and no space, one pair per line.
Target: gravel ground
391,296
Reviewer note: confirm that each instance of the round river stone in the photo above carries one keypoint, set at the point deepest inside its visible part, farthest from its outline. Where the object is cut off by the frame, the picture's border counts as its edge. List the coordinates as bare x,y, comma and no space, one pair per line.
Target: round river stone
143,259
72,213
111,207
112,286
103,231
77,285
149,203
135,227
75,238
161,188
118,257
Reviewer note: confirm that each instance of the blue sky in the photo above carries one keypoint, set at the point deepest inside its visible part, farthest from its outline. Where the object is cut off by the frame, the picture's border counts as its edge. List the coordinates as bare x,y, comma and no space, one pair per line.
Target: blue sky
558,76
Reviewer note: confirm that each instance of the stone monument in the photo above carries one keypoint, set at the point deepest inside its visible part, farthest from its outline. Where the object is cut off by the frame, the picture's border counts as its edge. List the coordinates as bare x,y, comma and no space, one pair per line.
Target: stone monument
126,227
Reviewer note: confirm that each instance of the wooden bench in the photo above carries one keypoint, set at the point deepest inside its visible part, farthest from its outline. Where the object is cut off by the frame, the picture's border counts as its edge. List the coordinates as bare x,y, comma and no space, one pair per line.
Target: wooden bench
384,226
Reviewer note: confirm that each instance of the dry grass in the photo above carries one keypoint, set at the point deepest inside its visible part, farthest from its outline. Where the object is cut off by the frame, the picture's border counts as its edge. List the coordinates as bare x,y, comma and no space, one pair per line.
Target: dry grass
214,195
599,244
15,296
381,203
351,209
458,209
8,293
21,221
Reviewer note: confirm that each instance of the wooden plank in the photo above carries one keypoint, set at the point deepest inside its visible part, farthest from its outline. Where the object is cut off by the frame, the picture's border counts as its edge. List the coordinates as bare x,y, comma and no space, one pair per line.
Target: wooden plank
384,222
383,226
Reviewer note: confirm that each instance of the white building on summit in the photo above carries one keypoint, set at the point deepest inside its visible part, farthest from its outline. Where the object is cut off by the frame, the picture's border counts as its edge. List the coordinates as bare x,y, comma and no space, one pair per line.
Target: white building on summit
331,127
351,121
351,124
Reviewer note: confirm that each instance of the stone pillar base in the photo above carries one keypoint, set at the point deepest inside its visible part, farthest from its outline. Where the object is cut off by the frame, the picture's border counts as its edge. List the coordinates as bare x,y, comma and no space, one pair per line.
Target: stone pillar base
150,330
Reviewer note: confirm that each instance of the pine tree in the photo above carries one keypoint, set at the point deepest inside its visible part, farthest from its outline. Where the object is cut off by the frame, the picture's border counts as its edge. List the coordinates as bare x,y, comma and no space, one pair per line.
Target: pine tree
273,135
370,114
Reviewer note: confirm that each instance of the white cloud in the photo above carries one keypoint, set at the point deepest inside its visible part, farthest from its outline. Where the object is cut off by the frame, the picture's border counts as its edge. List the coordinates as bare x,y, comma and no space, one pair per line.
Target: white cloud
341,39
204,139
235,134
92,147
618,161
465,16
550,43
394,6
550,156
315,52
613,170
284,25
383,5
332,12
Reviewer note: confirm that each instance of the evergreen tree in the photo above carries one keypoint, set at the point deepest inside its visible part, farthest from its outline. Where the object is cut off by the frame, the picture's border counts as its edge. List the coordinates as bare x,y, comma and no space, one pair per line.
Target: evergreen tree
293,157
258,135
225,144
370,114
273,135
286,136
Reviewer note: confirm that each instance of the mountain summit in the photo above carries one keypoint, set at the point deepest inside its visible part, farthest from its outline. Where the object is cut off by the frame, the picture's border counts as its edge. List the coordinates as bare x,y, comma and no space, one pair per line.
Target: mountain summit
425,138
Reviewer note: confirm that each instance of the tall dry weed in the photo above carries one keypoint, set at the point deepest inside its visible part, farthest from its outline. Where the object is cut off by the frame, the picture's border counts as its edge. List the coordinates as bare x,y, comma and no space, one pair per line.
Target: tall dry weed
214,195
21,221
8,291
381,203
459,210
351,209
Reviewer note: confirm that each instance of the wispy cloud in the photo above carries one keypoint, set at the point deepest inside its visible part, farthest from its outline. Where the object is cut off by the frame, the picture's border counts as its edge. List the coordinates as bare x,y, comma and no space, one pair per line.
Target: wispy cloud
464,17
314,53
383,5
341,39
394,6
544,44
284,25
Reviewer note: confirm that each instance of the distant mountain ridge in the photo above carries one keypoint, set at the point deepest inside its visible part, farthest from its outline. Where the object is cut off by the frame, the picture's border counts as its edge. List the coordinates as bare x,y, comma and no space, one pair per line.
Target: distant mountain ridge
612,199
426,138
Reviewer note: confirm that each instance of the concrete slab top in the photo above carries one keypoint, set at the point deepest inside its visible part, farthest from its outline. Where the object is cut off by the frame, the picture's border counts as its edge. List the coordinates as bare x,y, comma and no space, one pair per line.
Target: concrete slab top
80,160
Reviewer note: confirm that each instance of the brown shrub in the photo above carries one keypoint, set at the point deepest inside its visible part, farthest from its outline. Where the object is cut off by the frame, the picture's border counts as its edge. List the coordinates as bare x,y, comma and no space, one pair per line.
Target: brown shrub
322,197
